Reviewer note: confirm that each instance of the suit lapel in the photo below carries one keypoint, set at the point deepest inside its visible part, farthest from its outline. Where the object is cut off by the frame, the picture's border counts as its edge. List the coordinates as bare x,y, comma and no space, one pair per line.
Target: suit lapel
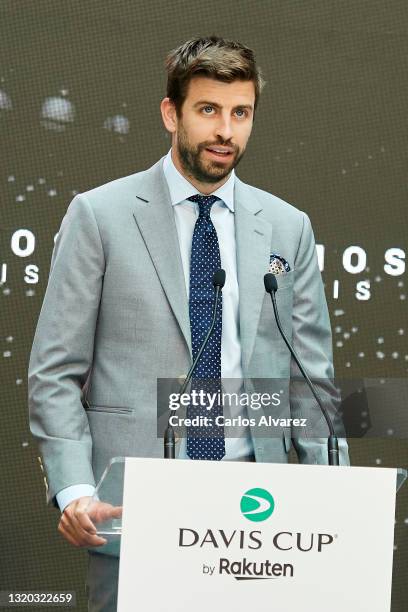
155,218
253,241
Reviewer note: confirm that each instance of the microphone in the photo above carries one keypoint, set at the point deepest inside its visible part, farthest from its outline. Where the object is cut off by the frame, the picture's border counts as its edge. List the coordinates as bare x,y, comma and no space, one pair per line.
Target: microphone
169,439
271,287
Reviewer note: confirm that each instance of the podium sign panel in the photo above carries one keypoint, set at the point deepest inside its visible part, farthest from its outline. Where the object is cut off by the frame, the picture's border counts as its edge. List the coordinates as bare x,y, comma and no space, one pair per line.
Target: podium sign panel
208,535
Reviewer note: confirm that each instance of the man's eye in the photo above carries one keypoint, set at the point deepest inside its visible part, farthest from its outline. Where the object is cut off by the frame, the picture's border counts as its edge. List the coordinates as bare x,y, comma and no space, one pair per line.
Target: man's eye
239,110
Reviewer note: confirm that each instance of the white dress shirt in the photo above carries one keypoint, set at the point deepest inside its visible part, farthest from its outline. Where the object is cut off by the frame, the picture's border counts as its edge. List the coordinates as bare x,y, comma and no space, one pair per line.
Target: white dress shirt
222,216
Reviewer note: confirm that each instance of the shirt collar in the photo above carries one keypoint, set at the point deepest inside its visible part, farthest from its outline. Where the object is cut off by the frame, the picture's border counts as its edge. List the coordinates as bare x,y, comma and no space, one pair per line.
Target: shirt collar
181,189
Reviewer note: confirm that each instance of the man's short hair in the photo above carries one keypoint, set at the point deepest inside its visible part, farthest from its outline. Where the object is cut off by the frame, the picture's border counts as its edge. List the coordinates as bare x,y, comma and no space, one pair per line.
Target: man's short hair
214,57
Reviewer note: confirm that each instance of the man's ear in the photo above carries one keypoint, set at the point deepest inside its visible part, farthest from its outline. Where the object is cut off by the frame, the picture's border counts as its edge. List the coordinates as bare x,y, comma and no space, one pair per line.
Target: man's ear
169,115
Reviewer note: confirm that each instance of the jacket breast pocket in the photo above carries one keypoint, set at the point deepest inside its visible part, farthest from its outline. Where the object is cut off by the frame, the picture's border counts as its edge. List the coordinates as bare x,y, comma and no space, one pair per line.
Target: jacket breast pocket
285,280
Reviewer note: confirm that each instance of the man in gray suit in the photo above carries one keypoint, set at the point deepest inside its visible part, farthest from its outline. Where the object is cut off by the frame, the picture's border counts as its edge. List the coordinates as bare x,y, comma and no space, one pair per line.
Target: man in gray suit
116,317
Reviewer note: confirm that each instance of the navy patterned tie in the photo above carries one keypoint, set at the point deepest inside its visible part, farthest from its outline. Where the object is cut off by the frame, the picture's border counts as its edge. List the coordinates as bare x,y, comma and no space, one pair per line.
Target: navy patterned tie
205,442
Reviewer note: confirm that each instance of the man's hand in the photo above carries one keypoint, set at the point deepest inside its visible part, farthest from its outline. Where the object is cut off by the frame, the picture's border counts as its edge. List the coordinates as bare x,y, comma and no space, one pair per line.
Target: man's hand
76,524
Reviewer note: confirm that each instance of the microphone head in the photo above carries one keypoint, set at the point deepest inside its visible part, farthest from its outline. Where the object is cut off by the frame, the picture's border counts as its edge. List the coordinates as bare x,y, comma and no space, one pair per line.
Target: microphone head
270,282
219,278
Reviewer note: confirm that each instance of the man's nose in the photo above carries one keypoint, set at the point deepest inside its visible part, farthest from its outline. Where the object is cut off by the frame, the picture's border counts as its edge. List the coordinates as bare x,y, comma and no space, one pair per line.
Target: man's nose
224,128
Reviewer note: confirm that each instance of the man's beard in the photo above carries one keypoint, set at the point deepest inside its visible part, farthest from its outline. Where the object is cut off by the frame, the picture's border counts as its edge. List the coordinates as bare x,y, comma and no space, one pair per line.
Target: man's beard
205,172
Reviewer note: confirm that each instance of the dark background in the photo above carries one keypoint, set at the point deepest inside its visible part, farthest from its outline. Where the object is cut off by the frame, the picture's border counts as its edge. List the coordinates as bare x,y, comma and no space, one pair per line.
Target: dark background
330,137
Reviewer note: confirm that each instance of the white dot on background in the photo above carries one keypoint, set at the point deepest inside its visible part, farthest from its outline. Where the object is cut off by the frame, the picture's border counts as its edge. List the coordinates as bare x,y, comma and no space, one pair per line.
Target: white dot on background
378,461
337,329
339,312
30,292
20,198
348,364
361,354
390,432
9,339
380,340
400,283
346,335
30,188
6,291
19,381
24,444
377,279
395,355
402,296
401,332
11,178
406,521
339,343
380,354
354,329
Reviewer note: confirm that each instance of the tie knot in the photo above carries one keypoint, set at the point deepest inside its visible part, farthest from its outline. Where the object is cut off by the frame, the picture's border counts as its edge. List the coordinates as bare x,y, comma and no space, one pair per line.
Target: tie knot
204,203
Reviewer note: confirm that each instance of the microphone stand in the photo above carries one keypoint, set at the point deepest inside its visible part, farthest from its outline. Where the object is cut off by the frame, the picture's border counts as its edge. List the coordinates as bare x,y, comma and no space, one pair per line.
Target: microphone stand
169,437
271,286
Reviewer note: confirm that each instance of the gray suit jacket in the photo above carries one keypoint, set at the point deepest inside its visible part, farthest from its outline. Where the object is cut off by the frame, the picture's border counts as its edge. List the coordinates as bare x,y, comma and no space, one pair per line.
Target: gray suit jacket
115,318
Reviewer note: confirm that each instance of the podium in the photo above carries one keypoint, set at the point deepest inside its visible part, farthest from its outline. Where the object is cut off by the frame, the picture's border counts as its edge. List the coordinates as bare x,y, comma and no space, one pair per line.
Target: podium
235,536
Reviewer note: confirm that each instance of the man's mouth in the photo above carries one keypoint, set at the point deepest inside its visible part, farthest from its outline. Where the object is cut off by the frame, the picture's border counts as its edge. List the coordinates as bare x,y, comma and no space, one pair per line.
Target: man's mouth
220,152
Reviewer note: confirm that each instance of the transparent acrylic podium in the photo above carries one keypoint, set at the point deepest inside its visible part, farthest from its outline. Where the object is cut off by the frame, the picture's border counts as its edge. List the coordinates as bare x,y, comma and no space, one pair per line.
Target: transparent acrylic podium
110,491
